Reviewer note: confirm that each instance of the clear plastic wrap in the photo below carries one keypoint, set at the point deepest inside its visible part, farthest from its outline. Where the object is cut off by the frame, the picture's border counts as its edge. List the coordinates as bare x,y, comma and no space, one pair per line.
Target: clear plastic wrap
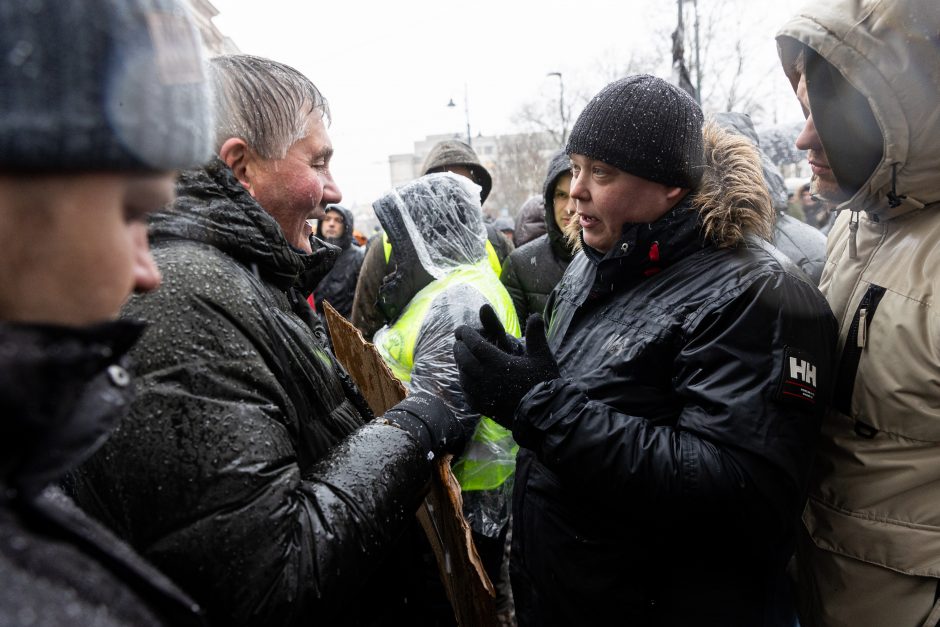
443,277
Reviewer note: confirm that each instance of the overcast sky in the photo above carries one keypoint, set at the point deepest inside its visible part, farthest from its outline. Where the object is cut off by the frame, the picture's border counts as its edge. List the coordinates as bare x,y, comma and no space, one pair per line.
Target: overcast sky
389,68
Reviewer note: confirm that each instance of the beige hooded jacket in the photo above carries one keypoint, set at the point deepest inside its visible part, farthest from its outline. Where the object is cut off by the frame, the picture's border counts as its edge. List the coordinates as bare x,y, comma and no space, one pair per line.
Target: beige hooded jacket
876,493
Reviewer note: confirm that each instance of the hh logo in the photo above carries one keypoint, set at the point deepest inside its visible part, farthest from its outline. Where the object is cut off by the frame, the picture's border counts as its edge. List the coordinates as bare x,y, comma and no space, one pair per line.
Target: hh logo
798,377
802,371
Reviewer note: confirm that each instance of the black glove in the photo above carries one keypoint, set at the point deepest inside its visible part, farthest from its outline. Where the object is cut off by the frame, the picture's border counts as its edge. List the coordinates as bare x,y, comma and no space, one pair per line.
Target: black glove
494,380
430,421
495,334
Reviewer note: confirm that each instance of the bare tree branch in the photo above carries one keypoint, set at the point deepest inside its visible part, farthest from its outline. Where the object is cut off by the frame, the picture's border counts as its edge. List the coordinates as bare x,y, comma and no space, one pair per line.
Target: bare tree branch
520,168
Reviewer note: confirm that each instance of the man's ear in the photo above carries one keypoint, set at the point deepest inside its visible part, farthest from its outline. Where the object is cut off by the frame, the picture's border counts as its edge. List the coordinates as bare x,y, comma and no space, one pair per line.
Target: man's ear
238,157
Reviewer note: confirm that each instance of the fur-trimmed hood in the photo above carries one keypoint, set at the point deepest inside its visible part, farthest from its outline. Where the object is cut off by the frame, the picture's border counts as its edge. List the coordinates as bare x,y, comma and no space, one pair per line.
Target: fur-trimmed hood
802,244
732,199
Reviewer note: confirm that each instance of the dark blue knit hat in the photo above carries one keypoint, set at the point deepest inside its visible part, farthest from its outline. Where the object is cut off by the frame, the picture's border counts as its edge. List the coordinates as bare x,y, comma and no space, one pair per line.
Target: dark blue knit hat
91,85
645,126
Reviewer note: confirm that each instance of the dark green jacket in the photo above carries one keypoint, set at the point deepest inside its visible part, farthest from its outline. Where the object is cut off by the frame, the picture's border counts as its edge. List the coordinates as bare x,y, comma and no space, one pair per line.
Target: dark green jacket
531,272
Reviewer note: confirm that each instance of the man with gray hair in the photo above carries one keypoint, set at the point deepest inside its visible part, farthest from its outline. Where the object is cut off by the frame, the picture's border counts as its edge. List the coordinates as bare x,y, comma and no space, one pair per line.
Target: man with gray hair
248,469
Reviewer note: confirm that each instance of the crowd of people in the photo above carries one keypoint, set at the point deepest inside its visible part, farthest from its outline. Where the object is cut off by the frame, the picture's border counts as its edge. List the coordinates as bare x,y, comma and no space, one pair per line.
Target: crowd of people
668,402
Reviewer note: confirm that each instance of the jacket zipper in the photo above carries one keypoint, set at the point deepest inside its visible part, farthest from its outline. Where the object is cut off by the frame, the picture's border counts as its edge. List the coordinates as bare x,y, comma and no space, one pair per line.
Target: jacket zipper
855,343
853,234
862,327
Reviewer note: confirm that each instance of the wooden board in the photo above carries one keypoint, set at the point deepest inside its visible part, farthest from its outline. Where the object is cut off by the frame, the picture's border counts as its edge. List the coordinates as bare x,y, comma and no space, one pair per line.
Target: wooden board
468,587
363,363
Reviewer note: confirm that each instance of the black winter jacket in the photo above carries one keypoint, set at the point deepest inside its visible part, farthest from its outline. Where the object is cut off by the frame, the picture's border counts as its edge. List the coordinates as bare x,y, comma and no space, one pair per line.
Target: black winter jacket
62,390
532,271
530,222
661,478
339,285
244,470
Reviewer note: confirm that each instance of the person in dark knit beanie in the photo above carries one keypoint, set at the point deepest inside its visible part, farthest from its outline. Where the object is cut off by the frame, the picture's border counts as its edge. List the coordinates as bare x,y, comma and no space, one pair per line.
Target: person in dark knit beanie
645,126
101,101
102,85
664,435
648,131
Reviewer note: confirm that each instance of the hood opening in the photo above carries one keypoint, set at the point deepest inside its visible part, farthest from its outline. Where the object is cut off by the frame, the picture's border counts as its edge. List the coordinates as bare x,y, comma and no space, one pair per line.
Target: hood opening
846,125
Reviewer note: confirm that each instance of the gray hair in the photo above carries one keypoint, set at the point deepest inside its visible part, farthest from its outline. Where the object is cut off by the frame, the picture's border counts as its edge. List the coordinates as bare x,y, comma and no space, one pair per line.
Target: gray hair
264,102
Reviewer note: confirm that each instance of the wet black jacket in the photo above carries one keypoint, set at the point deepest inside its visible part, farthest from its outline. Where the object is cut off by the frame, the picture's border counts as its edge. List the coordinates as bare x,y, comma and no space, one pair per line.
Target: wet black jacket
532,271
661,478
243,470
62,390
339,285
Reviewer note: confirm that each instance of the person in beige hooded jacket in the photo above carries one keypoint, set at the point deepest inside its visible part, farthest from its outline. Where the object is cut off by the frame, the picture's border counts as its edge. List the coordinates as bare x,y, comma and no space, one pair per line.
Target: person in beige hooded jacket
868,75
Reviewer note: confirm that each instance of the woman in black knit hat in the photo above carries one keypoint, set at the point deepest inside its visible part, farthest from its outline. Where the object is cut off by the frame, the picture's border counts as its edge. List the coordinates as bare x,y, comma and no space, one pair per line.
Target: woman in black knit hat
666,418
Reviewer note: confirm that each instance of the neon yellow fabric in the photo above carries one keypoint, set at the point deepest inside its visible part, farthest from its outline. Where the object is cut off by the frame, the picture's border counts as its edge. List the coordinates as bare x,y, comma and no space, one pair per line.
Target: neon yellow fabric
488,459
490,456
490,254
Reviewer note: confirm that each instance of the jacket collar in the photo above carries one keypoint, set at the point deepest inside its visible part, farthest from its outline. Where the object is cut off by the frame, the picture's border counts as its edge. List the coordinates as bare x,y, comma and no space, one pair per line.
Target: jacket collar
646,249
62,390
212,207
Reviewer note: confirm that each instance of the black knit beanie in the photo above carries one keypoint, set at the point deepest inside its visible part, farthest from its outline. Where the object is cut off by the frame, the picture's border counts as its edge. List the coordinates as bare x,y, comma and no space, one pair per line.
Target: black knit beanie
102,85
645,126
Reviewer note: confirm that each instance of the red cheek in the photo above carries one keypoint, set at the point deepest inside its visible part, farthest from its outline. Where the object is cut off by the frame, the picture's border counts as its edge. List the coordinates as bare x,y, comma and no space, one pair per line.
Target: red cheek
304,193
311,191
316,191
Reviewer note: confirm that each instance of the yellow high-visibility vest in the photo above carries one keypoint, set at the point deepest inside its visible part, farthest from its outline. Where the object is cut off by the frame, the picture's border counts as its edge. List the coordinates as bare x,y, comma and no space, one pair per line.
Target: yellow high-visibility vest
490,456
490,254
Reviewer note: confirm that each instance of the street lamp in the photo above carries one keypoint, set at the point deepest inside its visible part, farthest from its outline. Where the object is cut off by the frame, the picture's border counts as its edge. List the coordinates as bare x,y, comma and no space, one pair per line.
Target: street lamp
466,109
698,65
561,106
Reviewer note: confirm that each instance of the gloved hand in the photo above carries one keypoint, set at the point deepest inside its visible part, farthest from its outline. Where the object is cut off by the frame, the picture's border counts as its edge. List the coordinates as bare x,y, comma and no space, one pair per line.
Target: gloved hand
495,333
493,380
430,421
